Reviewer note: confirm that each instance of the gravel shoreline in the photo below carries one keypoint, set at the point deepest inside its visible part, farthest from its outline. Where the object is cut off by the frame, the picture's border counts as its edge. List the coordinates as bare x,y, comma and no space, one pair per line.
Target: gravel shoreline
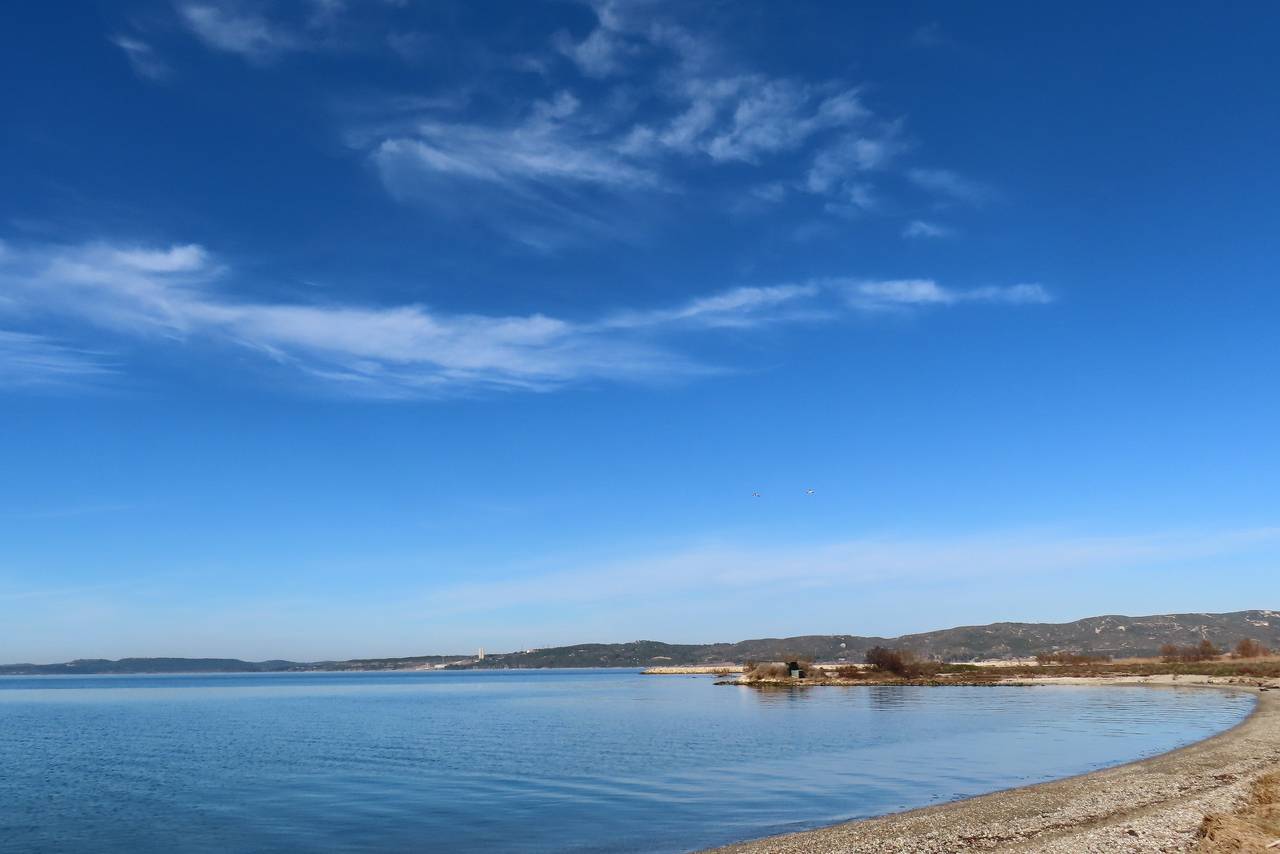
1152,805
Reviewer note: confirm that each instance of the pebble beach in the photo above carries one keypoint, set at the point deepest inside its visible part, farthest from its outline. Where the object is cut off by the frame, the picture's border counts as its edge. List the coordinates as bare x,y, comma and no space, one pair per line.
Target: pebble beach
1153,805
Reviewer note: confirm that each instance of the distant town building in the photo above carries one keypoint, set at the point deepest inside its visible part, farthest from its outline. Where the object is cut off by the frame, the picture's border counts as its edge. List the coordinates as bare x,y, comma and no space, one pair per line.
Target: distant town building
480,654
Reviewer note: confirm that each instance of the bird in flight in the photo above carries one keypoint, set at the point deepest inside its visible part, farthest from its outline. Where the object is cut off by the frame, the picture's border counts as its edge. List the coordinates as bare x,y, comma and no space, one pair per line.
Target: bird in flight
808,492
755,495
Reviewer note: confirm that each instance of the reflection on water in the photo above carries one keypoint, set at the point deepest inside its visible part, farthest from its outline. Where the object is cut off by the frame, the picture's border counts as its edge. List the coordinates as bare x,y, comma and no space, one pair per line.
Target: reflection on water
780,694
890,697
534,761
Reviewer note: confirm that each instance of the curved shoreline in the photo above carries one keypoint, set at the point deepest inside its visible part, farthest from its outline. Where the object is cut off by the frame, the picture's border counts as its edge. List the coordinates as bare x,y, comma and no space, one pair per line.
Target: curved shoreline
1153,804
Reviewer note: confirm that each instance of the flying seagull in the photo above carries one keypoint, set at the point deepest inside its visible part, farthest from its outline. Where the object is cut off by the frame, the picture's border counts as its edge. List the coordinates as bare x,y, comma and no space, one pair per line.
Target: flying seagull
755,495
808,492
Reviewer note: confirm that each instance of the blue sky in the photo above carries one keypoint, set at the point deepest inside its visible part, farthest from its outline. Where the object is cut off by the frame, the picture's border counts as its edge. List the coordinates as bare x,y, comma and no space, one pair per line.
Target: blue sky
341,329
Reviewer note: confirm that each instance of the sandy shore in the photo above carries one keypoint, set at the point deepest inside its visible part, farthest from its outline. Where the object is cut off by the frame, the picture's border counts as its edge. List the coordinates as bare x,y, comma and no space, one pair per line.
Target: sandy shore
1154,805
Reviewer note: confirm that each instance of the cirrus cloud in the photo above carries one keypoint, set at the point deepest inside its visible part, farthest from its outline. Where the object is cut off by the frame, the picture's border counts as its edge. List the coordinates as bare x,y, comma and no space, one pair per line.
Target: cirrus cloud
177,294
906,293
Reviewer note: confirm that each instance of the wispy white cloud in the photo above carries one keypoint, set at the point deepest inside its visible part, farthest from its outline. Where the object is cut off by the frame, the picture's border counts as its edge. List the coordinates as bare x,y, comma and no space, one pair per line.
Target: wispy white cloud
601,53
662,106
1024,294
902,293
174,294
729,116
745,118
142,57
770,191
30,360
944,182
850,155
737,308
623,32
190,258
725,569
545,147
564,162
262,31
238,30
539,179
242,28
408,349
921,228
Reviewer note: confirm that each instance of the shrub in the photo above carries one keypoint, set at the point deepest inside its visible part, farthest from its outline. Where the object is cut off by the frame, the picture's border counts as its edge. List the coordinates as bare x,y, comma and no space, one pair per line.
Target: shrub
1250,648
900,662
850,671
923,669
778,670
768,670
887,660
1203,651
1206,651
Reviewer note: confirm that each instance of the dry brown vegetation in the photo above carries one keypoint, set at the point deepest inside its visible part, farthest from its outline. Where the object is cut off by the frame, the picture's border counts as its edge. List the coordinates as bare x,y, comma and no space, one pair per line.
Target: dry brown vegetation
1250,648
851,671
901,662
766,670
1253,829
1076,658
898,667
1203,651
777,671
1264,668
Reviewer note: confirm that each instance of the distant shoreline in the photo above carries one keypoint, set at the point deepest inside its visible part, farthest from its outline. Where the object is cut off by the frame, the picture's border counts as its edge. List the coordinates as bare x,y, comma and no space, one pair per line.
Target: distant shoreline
1117,636
305,672
1154,804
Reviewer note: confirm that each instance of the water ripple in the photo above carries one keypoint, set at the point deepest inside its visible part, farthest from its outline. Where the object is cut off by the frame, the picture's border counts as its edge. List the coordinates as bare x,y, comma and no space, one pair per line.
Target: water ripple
585,761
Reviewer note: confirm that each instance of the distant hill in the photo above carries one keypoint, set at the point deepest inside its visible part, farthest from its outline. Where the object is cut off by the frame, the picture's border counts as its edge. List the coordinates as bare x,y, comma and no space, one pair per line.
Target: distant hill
92,666
1113,635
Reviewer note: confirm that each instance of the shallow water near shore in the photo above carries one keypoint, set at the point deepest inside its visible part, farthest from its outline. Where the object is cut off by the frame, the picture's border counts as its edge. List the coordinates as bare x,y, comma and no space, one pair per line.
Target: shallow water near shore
582,760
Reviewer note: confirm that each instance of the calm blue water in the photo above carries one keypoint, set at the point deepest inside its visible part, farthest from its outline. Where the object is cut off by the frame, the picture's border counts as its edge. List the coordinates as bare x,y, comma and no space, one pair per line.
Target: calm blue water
529,761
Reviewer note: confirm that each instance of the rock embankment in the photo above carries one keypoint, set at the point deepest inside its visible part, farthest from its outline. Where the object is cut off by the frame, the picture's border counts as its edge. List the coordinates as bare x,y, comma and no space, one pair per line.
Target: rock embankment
694,669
